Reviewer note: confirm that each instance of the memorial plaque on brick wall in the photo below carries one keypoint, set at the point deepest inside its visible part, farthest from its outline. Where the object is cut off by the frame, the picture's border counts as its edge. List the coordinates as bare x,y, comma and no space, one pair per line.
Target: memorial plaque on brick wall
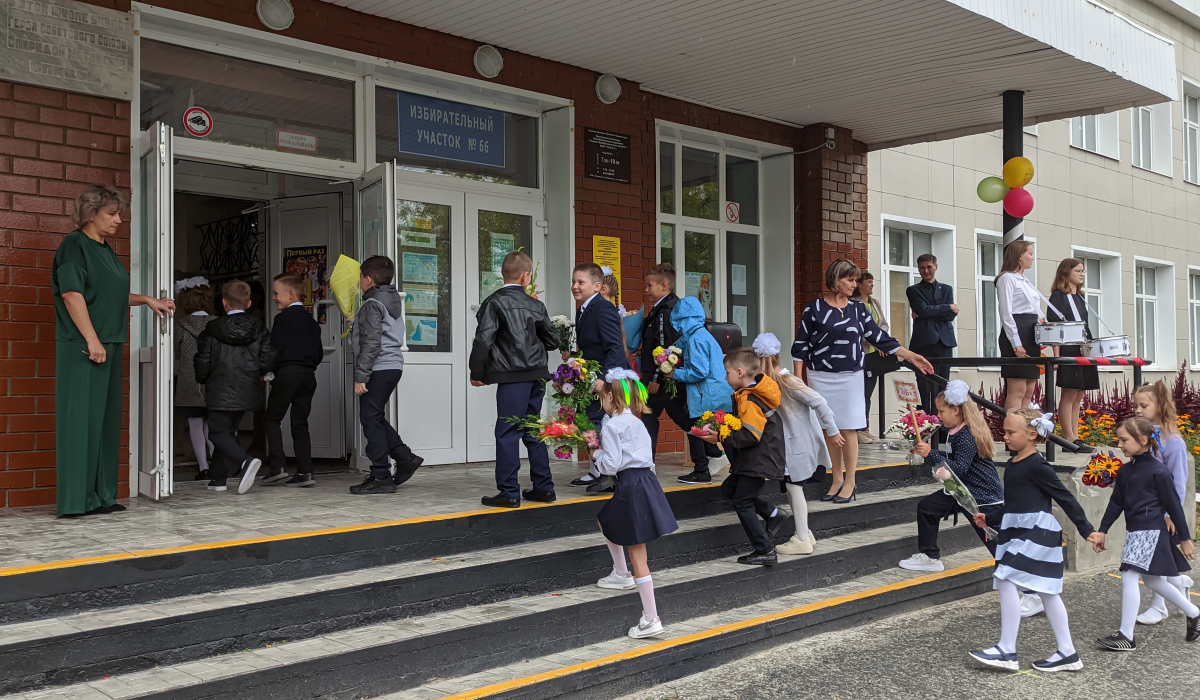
606,156
67,45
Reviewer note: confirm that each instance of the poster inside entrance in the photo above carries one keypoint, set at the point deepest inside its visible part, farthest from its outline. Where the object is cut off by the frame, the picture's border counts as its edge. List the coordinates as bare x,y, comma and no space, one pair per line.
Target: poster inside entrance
309,264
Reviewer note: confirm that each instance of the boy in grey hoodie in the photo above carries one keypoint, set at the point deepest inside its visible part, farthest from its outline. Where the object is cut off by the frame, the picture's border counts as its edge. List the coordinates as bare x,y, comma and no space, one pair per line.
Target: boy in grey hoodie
378,365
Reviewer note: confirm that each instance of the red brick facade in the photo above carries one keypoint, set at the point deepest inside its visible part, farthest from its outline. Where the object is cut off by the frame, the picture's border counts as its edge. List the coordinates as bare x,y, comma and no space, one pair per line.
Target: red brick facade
62,141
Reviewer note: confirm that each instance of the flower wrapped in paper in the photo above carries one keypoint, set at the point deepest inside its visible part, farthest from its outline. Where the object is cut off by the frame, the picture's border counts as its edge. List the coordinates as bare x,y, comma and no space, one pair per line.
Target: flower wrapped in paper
668,359
956,489
572,383
566,431
719,422
912,426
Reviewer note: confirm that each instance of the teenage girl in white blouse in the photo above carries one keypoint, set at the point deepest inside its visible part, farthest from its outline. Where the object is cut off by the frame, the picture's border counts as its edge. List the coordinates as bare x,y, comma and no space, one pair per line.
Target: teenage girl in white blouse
1019,313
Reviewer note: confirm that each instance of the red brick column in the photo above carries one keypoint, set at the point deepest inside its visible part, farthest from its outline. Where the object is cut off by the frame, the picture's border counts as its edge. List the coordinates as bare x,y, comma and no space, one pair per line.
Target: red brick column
52,143
831,201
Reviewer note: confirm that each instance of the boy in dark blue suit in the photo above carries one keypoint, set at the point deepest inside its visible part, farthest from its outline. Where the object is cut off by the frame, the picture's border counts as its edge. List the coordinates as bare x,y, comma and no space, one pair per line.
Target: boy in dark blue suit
598,335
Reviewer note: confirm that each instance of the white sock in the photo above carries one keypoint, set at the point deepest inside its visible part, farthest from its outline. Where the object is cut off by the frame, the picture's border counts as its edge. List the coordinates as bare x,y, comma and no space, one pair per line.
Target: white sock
775,513
618,557
1056,613
199,435
1010,616
1131,599
799,510
1173,595
645,586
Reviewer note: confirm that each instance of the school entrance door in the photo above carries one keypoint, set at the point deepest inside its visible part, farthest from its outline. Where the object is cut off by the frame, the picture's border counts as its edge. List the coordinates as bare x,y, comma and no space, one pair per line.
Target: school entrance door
447,245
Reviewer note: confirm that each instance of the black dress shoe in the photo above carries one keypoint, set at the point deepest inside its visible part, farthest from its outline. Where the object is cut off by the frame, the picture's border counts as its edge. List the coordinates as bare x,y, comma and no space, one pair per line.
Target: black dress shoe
406,472
696,477
500,501
373,486
539,496
776,525
585,480
605,484
756,559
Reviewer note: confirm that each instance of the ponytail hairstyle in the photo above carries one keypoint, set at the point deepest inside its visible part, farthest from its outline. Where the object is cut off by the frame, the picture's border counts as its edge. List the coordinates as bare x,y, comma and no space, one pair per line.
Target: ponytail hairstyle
1139,429
766,346
610,280
1032,417
625,390
1167,418
956,394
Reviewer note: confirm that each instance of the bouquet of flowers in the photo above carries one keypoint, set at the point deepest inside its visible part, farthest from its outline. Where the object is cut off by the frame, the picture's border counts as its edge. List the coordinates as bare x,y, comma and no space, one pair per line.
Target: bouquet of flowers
572,383
954,487
1101,470
668,359
564,326
912,425
565,431
719,422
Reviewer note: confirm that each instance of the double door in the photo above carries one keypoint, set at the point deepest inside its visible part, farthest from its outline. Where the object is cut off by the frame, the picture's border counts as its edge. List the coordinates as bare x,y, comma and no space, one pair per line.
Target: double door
447,246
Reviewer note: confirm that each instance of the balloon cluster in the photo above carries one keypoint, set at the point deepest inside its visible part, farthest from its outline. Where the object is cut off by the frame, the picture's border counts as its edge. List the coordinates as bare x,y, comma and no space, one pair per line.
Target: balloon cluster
1018,172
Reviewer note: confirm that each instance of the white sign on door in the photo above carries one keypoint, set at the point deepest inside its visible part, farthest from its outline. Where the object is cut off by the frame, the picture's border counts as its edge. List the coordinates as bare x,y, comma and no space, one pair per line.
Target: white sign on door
296,141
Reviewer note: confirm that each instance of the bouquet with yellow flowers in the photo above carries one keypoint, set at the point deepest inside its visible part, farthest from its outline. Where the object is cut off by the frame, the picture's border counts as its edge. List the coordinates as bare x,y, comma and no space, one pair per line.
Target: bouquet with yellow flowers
668,359
721,423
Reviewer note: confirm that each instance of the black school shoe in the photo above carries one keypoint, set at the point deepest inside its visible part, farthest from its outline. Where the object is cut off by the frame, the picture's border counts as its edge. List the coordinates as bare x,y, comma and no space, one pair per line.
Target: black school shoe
1117,642
696,477
756,559
275,477
1193,629
539,496
302,480
500,501
371,486
201,476
776,524
585,480
997,659
1066,663
404,473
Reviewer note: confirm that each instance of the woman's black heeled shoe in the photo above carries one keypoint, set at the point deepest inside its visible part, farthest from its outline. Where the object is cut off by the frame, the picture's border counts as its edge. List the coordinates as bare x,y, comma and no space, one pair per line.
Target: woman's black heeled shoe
831,496
853,496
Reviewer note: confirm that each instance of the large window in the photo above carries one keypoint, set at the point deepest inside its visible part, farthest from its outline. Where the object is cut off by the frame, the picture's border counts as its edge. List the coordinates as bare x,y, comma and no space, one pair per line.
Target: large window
1145,302
1092,293
987,267
1191,133
1150,138
1097,133
903,246
1194,317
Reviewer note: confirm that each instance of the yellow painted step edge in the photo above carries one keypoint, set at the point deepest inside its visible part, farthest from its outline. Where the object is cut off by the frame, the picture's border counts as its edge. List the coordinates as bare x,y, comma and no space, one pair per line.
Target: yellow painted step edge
709,633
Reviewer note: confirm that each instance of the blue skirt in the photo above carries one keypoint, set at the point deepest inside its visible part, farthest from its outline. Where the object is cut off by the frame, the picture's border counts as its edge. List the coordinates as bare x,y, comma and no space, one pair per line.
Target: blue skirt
638,511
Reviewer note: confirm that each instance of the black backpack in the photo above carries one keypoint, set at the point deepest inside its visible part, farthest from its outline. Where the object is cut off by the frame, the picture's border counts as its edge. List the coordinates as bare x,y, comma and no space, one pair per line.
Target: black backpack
728,335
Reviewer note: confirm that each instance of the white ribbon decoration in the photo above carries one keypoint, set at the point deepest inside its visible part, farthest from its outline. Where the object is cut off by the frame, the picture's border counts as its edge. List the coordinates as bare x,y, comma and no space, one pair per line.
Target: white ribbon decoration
766,345
957,392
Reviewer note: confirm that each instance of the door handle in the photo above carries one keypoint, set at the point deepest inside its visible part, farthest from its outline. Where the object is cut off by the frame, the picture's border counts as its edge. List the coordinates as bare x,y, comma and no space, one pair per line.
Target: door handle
474,307
329,349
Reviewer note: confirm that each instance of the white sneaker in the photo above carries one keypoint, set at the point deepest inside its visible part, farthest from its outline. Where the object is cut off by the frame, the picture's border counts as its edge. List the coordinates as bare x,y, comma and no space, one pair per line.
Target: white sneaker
1031,604
796,546
1152,616
617,582
921,562
251,471
645,628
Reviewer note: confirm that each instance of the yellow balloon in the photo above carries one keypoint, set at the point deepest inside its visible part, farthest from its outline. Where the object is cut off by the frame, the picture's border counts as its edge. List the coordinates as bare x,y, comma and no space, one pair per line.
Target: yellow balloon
1018,172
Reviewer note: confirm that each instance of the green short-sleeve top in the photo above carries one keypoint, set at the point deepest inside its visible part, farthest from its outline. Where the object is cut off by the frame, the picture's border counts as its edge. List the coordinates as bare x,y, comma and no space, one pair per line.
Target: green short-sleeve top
92,269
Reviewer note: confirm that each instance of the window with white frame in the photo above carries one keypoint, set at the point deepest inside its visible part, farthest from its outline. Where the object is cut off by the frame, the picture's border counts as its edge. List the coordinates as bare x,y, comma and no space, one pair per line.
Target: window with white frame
1092,293
1145,302
709,223
1191,133
989,258
902,246
1154,311
1194,316
1097,133
1150,138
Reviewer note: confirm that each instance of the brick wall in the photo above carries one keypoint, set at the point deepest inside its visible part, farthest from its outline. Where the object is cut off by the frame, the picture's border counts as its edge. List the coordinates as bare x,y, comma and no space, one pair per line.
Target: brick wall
51,144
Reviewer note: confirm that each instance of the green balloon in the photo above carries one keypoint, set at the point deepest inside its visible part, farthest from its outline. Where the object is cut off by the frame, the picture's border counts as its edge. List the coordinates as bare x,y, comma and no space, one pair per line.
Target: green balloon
992,189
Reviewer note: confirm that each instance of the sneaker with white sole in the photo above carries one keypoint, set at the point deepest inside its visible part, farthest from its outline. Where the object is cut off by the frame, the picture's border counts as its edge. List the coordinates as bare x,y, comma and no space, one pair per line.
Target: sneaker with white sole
922,562
1062,663
250,470
645,628
217,485
1031,604
997,659
796,546
1152,616
617,582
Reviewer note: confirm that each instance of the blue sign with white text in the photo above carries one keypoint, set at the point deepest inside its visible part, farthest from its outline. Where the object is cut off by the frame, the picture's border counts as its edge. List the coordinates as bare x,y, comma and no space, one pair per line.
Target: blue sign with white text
447,130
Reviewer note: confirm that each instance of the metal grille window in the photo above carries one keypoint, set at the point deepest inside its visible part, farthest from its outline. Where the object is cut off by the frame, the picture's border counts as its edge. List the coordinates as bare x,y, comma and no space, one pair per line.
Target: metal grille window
1145,301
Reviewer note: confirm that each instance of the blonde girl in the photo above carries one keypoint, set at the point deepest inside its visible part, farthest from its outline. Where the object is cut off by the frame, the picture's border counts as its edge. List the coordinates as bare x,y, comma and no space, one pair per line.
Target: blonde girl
808,425
638,511
1154,403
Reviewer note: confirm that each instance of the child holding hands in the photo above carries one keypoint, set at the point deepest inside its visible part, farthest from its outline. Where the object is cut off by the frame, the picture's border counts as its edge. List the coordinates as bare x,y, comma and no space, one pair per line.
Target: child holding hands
638,511
1145,493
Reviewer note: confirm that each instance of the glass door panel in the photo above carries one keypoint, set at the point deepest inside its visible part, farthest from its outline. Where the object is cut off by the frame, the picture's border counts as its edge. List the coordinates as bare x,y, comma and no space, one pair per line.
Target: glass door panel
741,283
423,239
699,267
498,234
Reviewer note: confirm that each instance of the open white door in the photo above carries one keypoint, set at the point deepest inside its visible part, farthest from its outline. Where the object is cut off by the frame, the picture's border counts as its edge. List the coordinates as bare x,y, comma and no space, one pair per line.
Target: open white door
156,357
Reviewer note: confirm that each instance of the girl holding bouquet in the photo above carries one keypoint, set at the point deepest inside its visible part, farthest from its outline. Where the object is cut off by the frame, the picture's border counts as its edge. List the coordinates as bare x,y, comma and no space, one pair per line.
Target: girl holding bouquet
970,459
638,511
1029,549
1154,403
807,425
1154,522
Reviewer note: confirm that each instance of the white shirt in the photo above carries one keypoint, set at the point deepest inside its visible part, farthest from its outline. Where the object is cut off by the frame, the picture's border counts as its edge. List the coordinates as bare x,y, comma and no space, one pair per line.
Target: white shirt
625,444
199,313
295,303
510,284
1015,294
235,311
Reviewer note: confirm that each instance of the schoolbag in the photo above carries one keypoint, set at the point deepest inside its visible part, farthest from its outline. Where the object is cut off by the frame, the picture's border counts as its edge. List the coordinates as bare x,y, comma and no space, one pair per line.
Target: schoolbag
728,335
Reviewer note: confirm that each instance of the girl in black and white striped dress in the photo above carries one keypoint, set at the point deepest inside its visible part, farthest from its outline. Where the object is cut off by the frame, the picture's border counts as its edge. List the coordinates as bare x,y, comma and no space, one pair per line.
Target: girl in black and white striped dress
1029,552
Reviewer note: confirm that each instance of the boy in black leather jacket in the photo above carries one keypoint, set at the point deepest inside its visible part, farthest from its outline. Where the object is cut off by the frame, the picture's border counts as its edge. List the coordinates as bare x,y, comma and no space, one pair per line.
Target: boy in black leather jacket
232,355
512,338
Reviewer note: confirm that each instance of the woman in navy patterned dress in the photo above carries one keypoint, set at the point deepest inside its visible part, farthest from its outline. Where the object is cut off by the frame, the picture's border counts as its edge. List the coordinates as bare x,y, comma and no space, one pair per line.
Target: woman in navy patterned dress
829,344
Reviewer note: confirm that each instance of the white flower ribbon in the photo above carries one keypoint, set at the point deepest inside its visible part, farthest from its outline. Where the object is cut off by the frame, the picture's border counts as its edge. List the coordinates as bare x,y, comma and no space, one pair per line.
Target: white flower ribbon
766,345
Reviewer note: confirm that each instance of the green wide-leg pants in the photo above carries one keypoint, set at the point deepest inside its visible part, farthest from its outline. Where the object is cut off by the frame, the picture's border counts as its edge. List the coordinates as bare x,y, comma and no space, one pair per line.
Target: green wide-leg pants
87,405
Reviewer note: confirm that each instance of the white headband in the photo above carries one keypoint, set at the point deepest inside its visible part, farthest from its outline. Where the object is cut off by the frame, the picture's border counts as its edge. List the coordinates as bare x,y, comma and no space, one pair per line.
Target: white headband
766,345
190,282
956,393
606,270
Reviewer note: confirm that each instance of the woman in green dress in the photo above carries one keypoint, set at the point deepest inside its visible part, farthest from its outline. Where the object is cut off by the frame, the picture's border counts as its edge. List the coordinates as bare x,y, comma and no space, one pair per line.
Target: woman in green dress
91,314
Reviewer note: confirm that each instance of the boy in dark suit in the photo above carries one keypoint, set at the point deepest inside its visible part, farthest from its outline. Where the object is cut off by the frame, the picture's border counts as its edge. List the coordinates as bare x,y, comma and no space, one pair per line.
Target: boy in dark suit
933,312
512,338
598,334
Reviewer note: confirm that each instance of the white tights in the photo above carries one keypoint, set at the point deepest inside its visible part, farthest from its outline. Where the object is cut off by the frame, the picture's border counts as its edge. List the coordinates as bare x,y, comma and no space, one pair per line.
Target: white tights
1131,598
1159,603
198,430
799,510
1010,619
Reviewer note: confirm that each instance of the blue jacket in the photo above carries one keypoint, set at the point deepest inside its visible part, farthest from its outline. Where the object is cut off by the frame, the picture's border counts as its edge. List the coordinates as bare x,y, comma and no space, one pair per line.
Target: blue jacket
702,370
598,334
935,320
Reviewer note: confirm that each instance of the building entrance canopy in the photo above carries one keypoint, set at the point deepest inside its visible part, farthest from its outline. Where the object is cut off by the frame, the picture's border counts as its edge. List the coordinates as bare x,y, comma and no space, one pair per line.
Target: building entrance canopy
894,72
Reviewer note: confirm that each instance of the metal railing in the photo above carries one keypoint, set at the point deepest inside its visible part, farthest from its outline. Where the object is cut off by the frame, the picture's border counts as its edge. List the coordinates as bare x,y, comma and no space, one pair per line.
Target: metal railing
1049,403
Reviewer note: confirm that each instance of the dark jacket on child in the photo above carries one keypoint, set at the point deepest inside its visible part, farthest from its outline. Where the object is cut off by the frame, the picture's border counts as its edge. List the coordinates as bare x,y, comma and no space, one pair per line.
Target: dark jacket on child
978,473
1145,492
512,338
759,448
296,339
232,355
657,331
598,334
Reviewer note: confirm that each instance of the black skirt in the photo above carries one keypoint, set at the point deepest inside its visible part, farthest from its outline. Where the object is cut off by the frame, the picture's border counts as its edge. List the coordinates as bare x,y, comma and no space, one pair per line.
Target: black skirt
1075,377
1025,324
638,511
